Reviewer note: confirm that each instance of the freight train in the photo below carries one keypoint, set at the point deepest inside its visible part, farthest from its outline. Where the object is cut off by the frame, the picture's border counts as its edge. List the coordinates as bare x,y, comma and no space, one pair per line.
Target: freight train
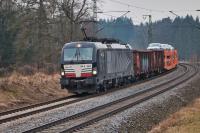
95,66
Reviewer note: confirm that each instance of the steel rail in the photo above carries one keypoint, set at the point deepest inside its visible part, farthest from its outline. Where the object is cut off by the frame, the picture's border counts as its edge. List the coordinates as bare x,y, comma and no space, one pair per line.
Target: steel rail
101,117
33,106
37,129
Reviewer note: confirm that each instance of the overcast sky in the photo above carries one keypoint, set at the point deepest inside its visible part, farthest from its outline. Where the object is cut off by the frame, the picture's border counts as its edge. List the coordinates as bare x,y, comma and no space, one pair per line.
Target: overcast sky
157,8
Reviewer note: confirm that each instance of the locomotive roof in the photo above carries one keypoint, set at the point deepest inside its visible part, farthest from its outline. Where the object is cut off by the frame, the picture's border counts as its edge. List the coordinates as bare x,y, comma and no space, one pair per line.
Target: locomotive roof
100,45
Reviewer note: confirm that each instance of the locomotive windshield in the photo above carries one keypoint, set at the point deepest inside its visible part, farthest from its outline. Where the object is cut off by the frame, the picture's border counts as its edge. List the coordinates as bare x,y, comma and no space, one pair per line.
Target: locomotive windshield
78,54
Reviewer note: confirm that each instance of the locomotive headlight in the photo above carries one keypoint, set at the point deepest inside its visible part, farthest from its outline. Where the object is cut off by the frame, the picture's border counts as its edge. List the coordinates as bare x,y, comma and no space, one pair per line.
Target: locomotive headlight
94,72
62,72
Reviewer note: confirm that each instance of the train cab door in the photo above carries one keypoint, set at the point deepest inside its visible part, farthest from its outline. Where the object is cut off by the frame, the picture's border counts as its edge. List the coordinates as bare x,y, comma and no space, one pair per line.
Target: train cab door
101,62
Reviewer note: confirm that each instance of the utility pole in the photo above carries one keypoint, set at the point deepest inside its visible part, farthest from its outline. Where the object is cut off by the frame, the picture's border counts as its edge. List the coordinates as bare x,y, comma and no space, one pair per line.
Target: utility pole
95,10
150,32
94,28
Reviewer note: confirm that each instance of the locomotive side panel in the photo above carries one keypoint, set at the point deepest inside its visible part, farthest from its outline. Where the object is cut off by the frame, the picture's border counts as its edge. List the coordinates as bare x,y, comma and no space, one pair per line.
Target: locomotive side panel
114,63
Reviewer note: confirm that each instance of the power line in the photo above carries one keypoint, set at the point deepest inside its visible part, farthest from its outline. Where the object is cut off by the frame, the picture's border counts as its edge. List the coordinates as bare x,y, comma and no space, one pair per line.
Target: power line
194,25
111,11
109,15
105,14
174,13
142,8
148,9
113,21
185,10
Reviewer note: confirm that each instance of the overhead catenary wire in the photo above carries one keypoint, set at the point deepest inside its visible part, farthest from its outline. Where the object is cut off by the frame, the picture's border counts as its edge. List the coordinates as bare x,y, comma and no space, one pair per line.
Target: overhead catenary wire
142,8
113,20
111,11
194,25
149,9
186,10
105,14
138,7
114,17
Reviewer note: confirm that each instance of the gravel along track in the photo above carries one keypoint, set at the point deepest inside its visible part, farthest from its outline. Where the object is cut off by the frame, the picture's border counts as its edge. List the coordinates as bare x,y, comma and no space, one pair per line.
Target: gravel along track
88,117
40,119
32,109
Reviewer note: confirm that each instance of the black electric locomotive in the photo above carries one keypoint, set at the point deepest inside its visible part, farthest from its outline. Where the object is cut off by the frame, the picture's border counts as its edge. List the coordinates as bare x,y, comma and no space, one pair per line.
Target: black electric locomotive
95,66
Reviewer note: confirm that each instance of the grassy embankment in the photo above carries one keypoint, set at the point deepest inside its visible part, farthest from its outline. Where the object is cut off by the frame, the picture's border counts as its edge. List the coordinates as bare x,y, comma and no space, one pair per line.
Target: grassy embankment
18,90
187,120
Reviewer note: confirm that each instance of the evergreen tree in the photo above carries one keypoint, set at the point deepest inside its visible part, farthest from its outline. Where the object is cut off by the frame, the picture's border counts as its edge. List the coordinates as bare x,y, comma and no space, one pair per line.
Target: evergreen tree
8,32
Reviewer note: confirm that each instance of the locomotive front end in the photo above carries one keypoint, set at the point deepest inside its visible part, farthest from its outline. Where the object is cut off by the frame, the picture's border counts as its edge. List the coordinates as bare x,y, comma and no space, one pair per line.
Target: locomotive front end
78,67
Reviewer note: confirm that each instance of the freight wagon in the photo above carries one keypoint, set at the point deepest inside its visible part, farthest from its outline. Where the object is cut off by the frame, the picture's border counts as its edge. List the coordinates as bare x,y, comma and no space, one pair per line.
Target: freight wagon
170,55
147,63
170,59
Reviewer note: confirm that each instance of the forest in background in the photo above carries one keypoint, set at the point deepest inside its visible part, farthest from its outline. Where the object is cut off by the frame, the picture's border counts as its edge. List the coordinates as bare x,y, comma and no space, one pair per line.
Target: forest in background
183,33
33,32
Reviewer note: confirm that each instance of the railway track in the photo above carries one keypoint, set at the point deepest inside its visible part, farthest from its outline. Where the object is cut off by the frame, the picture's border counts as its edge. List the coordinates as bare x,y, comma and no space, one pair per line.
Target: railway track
85,118
14,114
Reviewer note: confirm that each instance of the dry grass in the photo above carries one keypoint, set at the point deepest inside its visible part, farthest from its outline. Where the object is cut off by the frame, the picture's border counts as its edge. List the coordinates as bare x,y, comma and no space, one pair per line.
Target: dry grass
187,120
17,90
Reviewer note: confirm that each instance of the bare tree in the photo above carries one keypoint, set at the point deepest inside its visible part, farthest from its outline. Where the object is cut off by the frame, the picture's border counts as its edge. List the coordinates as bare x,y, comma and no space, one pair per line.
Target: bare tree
39,28
74,10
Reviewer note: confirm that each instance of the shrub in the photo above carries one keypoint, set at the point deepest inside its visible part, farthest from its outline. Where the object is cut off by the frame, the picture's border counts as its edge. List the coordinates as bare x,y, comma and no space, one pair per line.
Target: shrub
50,68
3,72
26,70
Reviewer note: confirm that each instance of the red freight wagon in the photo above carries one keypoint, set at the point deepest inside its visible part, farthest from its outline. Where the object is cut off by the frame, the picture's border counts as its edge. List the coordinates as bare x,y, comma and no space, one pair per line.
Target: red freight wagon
148,62
157,58
175,58
171,59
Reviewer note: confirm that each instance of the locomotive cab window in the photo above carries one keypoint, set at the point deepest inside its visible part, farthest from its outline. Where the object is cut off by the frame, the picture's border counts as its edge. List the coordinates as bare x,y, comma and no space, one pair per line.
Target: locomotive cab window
70,54
77,54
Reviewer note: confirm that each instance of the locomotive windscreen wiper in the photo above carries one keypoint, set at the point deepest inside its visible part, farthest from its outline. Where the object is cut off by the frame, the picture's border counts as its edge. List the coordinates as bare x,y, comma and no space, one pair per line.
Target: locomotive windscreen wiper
70,54
75,56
